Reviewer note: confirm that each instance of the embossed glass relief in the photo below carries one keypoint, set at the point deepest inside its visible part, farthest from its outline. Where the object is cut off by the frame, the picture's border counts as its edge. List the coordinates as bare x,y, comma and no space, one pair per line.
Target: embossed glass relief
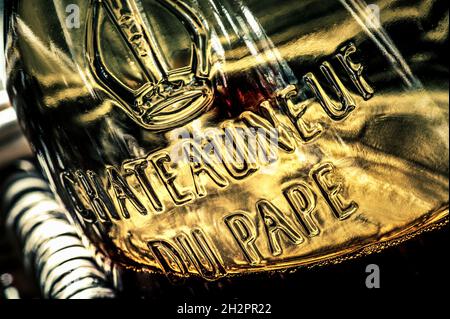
166,93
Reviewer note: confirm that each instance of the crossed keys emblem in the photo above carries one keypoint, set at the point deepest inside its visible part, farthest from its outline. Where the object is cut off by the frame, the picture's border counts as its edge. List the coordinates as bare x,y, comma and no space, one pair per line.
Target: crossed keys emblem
168,98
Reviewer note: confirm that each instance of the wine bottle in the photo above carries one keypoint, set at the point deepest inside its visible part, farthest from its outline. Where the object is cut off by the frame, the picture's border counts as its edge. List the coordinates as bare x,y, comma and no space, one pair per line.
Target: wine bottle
216,139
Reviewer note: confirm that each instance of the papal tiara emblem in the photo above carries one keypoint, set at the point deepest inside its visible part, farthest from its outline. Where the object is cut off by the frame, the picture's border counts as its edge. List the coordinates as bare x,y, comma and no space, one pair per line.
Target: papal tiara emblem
167,98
